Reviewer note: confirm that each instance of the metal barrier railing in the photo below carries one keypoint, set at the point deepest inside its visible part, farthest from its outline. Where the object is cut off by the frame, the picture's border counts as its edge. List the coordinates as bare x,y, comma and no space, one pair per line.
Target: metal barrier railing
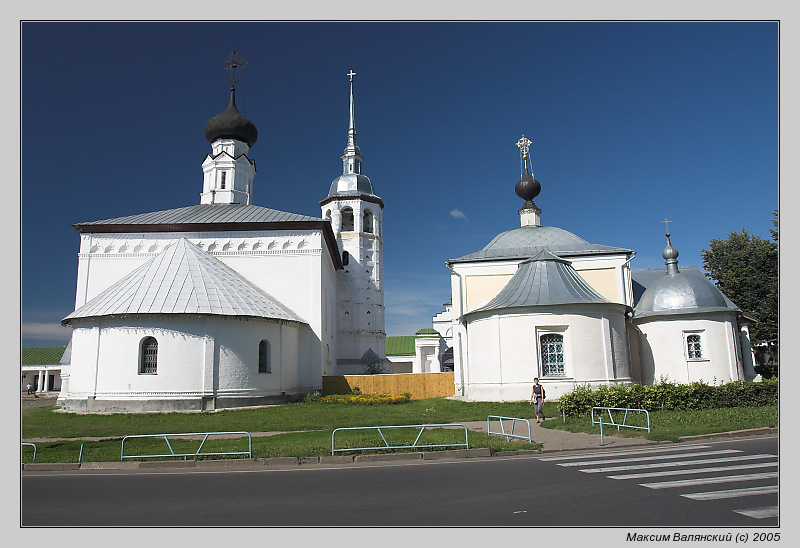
380,429
503,429
34,449
172,453
611,422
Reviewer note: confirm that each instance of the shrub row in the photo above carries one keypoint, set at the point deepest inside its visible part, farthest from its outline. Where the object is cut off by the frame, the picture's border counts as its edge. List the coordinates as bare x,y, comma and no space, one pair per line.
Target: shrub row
668,395
366,399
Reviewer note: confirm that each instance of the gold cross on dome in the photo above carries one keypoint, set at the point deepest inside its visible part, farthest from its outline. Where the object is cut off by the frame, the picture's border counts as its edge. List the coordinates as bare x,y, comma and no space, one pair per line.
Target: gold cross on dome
351,74
524,144
667,222
232,63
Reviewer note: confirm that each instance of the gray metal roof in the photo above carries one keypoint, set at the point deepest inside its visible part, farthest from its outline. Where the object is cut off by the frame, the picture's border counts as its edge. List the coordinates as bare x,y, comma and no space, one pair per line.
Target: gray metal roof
351,184
183,279
544,280
204,214
526,241
688,292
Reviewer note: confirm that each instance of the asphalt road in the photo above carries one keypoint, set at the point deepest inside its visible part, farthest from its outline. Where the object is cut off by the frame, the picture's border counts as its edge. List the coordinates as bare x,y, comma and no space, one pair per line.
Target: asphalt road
588,488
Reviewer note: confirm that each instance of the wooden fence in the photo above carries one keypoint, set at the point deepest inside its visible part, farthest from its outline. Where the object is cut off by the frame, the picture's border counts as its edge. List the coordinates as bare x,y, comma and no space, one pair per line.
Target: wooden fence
419,385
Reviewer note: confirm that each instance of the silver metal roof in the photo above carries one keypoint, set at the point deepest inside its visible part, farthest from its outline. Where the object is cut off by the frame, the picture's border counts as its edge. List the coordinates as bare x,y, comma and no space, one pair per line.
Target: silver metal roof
544,280
205,214
526,241
183,279
686,292
351,184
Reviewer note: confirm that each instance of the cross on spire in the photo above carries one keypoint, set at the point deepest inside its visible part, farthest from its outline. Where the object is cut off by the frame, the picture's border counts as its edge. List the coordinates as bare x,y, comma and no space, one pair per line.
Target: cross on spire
524,145
351,74
666,223
232,63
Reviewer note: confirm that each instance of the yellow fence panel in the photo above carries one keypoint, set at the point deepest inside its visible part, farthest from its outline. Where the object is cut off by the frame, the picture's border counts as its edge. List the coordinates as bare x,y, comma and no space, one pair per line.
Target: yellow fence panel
419,385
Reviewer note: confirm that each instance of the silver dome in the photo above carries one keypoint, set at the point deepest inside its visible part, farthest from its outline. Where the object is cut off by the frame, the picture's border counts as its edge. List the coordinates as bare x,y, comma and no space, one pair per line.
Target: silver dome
350,184
526,241
684,292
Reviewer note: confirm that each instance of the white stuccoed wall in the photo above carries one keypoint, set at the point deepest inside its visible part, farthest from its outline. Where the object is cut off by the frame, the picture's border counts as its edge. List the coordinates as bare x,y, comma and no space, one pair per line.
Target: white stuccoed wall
664,339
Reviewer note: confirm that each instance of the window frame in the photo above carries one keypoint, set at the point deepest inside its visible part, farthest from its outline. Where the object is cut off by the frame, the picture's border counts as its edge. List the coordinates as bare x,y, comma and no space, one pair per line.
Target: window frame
146,368
701,343
264,357
552,331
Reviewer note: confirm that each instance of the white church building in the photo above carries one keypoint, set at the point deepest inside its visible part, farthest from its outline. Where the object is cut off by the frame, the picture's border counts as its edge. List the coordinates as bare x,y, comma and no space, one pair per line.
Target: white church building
539,301
225,303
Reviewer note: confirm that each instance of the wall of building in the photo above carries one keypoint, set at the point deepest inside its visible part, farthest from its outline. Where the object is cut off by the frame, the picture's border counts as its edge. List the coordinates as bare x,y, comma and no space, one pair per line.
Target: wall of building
199,358
662,348
504,356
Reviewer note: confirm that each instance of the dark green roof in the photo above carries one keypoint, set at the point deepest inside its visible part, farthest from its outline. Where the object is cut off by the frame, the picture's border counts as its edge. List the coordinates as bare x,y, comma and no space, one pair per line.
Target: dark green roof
427,331
400,346
48,355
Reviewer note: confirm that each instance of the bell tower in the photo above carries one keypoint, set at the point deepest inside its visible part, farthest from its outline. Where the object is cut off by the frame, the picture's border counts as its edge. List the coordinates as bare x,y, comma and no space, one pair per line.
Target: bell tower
356,216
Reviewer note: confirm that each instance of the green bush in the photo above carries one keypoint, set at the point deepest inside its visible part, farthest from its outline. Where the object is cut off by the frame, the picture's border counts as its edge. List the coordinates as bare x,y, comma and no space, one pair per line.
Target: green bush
670,396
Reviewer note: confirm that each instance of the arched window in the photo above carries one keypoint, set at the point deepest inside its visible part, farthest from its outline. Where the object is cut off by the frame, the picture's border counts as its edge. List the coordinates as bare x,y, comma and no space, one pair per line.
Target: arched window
368,221
348,221
552,345
345,258
264,358
148,356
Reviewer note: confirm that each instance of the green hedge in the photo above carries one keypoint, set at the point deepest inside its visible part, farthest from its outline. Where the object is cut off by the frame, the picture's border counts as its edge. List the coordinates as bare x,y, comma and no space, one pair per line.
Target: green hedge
668,395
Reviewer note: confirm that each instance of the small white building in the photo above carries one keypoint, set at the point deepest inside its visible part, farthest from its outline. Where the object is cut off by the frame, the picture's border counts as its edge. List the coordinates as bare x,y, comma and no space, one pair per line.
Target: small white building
41,368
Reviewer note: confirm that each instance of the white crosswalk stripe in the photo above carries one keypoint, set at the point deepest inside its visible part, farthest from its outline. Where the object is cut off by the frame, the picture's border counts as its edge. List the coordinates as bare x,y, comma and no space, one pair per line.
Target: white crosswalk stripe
648,451
760,513
709,481
682,472
732,493
665,464
652,457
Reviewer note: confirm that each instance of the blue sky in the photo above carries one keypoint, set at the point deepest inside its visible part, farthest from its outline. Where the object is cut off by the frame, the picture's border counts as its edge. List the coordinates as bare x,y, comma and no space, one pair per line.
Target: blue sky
631,122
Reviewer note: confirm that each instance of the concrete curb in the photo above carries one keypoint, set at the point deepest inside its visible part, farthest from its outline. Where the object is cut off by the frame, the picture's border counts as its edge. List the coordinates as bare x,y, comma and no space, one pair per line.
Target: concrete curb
458,454
387,457
733,434
50,466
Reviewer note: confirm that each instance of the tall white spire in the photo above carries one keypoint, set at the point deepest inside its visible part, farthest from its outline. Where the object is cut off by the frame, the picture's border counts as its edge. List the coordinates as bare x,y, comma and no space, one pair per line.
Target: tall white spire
351,161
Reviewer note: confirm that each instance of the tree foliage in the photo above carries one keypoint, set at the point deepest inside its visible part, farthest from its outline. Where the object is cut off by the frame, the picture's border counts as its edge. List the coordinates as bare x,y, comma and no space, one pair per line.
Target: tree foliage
745,268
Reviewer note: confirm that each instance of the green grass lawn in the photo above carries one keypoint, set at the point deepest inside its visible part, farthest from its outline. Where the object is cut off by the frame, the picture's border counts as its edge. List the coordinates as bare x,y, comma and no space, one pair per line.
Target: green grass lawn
44,422
308,427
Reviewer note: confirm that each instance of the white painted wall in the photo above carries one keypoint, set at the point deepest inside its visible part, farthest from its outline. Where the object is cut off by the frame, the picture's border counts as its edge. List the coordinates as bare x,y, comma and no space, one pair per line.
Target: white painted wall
197,356
662,348
503,351
294,267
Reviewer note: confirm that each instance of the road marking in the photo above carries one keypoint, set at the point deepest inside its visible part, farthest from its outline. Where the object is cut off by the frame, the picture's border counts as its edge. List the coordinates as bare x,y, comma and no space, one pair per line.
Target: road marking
760,513
732,493
643,475
625,452
707,481
665,464
653,457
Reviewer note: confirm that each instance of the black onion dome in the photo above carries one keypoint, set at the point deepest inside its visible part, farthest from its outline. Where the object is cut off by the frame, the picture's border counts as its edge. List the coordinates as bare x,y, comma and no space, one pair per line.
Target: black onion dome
527,188
230,124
